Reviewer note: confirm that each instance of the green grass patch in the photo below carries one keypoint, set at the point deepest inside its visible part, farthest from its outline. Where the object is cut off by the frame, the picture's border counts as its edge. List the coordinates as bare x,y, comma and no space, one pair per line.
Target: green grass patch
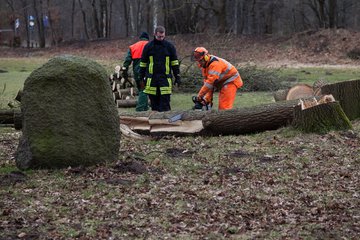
16,70
310,75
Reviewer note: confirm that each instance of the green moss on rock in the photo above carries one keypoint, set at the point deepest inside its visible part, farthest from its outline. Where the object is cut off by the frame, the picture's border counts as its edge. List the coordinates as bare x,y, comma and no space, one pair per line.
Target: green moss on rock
69,117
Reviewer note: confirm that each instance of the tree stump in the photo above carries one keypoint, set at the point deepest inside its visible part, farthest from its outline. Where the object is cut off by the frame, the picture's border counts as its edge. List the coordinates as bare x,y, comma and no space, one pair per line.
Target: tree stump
348,95
321,118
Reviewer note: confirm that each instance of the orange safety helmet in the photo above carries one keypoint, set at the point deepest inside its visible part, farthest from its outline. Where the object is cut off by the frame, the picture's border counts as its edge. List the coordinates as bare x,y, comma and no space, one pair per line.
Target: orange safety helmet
201,53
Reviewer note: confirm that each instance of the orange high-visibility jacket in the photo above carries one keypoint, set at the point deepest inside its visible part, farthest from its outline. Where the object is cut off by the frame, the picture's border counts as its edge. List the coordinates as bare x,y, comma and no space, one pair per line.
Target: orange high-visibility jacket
137,48
218,73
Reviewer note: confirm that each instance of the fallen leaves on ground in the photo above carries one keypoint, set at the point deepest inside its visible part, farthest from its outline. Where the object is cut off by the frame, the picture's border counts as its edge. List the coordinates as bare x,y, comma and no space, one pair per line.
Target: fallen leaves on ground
276,184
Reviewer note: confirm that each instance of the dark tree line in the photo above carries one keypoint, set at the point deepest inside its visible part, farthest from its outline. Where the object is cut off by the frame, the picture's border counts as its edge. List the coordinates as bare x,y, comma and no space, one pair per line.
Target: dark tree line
98,19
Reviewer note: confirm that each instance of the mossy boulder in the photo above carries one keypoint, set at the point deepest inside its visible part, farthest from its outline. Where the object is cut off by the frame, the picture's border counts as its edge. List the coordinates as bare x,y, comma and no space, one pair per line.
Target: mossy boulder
69,117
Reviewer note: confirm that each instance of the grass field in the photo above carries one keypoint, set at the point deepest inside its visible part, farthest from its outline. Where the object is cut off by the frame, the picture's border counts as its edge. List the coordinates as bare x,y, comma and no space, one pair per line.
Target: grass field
14,71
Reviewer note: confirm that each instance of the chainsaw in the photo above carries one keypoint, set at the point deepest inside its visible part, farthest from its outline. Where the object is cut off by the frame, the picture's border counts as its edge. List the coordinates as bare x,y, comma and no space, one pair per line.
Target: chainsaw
198,106
201,105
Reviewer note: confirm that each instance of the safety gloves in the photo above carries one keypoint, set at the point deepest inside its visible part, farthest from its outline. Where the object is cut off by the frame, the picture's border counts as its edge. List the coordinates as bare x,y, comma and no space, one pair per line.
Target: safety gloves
177,80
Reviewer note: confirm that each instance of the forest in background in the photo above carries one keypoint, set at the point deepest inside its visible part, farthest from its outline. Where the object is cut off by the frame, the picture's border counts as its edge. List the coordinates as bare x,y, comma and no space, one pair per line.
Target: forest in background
42,23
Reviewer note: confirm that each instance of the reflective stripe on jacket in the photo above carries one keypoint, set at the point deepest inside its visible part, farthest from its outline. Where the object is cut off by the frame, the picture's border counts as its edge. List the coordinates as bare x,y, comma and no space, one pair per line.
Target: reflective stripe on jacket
218,73
158,62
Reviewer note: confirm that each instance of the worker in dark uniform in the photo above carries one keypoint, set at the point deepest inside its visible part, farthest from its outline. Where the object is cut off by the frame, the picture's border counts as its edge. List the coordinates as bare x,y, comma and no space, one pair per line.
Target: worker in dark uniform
157,61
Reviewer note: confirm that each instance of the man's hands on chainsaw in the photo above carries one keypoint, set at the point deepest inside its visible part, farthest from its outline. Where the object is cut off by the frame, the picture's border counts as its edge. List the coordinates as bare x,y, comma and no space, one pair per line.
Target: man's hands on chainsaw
200,103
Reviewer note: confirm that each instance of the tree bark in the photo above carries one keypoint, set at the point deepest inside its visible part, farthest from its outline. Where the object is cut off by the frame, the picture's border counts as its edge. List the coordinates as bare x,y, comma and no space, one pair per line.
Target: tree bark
321,118
348,95
83,12
39,17
128,103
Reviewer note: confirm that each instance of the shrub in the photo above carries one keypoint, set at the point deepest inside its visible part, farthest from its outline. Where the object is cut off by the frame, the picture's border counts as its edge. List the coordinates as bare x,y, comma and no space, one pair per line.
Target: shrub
256,79
354,54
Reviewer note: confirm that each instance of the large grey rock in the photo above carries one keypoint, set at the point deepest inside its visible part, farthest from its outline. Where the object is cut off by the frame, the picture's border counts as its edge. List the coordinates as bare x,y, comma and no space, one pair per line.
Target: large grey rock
69,117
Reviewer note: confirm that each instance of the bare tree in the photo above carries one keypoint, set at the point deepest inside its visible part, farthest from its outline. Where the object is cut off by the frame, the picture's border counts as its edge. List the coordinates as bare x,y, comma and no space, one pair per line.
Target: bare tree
84,19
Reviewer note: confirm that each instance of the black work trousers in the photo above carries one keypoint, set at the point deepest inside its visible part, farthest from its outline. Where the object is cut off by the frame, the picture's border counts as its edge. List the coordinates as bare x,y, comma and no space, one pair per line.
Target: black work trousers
160,103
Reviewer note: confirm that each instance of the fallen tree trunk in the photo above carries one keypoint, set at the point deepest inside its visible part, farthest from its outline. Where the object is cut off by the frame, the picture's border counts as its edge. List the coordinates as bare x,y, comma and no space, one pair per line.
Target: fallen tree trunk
250,120
300,91
348,95
236,121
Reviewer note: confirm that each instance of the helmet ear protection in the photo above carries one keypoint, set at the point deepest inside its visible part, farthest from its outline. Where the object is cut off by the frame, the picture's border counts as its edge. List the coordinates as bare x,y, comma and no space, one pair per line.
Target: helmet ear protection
206,57
200,53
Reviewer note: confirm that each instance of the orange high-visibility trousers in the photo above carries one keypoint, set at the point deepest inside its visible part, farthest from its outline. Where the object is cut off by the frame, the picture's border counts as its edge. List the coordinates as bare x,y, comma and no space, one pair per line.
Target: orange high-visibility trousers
227,96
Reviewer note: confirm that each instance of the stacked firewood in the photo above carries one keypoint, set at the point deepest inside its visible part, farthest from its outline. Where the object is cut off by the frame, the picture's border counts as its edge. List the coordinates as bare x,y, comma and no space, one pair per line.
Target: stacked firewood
123,88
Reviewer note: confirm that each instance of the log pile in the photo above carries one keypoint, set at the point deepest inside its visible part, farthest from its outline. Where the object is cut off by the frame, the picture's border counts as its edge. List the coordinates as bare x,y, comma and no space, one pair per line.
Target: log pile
123,88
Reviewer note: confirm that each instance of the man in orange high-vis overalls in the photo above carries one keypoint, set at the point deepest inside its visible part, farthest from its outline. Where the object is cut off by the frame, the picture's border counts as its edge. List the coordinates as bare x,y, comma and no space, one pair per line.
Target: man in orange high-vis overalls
218,74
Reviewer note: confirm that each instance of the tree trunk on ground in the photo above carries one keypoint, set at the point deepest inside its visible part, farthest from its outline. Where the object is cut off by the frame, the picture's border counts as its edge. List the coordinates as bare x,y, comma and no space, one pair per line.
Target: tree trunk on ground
348,94
300,91
280,95
236,121
11,117
321,118
250,120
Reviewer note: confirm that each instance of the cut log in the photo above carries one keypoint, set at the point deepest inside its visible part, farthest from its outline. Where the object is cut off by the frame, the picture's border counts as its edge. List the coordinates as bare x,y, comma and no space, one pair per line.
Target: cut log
6,116
129,91
348,95
280,95
300,91
236,121
12,117
250,120
321,118
128,103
